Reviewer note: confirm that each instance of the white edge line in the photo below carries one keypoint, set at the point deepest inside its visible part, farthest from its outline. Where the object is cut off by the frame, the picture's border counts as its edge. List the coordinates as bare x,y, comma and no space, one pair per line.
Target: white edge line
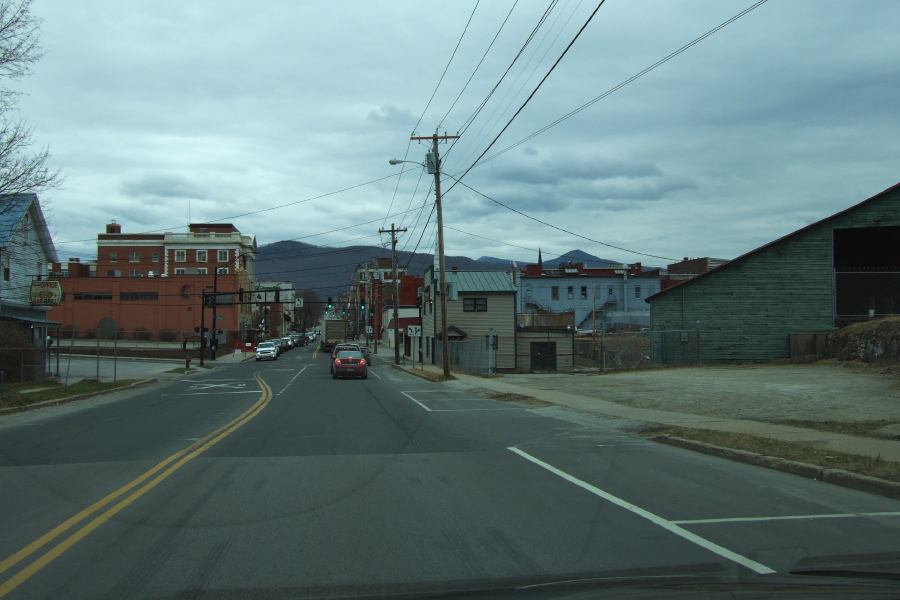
371,372
416,401
292,380
655,519
789,518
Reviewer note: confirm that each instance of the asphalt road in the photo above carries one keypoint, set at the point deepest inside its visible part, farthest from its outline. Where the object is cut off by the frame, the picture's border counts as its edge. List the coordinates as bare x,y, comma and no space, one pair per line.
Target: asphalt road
273,480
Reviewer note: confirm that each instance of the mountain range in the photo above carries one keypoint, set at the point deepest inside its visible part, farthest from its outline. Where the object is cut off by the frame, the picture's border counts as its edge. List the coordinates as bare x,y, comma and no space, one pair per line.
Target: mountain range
328,271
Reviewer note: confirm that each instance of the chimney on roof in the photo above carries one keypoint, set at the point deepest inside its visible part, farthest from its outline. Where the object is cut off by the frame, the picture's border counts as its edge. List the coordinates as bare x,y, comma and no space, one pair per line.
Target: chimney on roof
455,268
113,228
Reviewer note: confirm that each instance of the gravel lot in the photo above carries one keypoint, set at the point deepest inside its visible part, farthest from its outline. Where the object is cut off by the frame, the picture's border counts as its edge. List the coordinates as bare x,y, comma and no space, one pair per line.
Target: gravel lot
824,391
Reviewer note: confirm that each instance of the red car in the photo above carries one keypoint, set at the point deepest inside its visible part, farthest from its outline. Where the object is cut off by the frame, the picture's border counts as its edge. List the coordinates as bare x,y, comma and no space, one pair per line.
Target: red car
350,363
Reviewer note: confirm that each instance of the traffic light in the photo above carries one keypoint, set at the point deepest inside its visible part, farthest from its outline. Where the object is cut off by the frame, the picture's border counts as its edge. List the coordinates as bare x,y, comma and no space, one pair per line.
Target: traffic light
277,296
210,301
329,303
362,307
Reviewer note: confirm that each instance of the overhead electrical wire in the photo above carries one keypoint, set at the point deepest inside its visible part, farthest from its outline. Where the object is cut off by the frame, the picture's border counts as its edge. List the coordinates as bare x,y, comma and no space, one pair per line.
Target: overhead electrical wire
531,95
475,70
584,237
624,83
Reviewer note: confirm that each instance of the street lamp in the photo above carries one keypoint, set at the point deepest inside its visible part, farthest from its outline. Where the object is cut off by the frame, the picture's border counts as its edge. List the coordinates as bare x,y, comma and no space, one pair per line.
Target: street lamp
445,342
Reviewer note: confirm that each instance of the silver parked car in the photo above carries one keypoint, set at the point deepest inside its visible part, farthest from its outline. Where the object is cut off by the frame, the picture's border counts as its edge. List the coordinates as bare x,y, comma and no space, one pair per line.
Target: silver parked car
266,351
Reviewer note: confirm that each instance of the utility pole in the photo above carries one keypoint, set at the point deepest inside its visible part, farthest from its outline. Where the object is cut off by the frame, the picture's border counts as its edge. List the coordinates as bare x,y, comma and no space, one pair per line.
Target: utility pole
396,290
433,162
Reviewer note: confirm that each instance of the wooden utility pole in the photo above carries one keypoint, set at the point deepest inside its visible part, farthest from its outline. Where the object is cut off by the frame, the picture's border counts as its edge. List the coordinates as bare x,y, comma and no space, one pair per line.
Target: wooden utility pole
393,231
433,164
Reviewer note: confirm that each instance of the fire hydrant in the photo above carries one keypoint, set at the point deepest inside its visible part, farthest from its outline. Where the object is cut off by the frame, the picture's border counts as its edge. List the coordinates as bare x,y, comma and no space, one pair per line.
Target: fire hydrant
187,362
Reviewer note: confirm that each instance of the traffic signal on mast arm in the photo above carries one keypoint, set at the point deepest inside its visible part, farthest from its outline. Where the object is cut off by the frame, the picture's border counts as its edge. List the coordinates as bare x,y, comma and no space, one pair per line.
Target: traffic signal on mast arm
329,303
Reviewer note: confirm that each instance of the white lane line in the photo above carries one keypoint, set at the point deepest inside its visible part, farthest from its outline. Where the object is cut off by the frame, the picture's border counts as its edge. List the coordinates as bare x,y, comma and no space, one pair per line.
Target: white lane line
789,518
655,519
416,401
219,393
292,380
375,374
473,409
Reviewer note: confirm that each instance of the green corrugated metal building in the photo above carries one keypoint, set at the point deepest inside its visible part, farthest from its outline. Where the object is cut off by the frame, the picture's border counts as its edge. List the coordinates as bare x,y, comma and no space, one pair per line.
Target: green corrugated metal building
841,269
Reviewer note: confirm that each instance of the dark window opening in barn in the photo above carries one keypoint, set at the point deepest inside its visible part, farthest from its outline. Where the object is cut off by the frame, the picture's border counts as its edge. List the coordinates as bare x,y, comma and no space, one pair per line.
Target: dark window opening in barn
867,272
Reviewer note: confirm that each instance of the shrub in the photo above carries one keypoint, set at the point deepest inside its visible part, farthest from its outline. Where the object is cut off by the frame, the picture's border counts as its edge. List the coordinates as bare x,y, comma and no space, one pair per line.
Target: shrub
167,335
142,333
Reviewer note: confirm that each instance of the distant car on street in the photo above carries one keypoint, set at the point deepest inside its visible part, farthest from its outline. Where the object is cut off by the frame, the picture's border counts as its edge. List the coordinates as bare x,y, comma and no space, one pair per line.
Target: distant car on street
367,352
350,363
266,351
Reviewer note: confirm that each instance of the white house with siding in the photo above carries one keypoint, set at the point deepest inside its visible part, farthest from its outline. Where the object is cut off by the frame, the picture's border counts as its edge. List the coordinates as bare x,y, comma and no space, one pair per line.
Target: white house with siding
26,254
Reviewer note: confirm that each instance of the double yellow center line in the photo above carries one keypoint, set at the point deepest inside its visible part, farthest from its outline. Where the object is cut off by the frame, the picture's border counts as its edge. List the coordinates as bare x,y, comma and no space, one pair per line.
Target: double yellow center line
131,492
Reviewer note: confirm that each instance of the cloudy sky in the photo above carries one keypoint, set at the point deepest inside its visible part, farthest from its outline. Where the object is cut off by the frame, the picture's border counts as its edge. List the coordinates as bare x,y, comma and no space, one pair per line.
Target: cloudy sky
280,117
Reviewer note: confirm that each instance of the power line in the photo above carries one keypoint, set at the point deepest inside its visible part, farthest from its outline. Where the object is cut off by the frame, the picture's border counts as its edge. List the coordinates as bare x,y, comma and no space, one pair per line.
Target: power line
483,56
531,95
556,227
626,82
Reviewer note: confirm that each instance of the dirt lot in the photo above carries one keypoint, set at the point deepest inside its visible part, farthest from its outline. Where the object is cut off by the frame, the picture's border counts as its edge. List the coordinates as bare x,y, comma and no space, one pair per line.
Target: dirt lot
823,391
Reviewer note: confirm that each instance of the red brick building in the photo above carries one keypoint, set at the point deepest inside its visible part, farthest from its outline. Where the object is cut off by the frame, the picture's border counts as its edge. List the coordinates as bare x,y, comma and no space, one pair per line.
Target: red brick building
155,282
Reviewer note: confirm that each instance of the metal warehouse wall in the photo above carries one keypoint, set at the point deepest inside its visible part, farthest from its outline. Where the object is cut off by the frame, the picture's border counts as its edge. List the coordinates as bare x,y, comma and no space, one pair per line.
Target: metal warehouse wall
748,307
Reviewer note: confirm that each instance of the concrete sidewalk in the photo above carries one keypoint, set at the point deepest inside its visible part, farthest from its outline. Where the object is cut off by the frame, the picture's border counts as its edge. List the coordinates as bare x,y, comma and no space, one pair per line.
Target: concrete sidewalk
837,442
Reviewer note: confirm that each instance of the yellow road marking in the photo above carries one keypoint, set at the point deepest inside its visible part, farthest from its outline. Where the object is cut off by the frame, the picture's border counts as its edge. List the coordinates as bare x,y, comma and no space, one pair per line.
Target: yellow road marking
179,459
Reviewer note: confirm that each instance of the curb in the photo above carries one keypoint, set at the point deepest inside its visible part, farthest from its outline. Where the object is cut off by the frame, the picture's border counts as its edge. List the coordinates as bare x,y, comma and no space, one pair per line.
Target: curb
421,374
58,401
840,477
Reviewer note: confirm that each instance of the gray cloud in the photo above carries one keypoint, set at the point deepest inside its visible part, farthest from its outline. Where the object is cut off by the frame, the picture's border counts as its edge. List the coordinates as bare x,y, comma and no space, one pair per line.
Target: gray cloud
162,186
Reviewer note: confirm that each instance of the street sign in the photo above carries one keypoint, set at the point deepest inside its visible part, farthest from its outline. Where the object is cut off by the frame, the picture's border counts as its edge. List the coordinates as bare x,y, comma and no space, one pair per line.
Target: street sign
368,329
414,331
220,316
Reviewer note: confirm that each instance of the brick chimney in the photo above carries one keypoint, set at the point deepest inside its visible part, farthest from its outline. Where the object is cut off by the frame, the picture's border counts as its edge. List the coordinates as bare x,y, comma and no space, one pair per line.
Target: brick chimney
113,228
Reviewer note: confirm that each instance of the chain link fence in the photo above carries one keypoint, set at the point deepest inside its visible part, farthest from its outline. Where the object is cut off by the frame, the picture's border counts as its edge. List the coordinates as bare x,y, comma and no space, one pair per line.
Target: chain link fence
468,356
24,364
627,351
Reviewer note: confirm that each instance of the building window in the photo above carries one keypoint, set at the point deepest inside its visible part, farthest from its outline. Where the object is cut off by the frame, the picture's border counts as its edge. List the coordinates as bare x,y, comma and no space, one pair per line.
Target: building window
222,270
570,292
134,273
93,296
223,255
113,273
201,271
155,257
134,257
554,292
139,296
201,255
584,292
179,271
610,292
637,292
474,304
113,257
528,292
181,256
5,273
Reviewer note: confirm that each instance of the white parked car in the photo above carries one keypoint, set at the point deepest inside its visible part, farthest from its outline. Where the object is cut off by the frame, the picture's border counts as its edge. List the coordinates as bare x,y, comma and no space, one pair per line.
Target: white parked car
266,351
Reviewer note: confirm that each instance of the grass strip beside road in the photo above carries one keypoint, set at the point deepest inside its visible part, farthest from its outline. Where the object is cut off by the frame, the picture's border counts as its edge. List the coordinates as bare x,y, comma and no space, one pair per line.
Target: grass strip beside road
20,394
863,465
858,428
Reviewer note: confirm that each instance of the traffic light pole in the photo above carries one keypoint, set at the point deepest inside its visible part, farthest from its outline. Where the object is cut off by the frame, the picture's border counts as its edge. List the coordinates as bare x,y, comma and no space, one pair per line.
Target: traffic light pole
202,325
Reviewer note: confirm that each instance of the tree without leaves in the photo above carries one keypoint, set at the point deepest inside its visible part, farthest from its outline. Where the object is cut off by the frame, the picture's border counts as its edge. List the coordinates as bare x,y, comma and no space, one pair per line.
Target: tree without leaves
21,170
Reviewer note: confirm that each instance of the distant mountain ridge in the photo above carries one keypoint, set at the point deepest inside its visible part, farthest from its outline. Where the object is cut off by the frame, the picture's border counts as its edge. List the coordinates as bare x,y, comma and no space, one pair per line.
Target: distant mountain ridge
549,259
329,271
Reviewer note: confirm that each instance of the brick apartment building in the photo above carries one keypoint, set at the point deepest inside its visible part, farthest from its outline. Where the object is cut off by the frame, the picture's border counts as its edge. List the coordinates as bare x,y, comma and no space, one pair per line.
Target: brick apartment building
154,282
